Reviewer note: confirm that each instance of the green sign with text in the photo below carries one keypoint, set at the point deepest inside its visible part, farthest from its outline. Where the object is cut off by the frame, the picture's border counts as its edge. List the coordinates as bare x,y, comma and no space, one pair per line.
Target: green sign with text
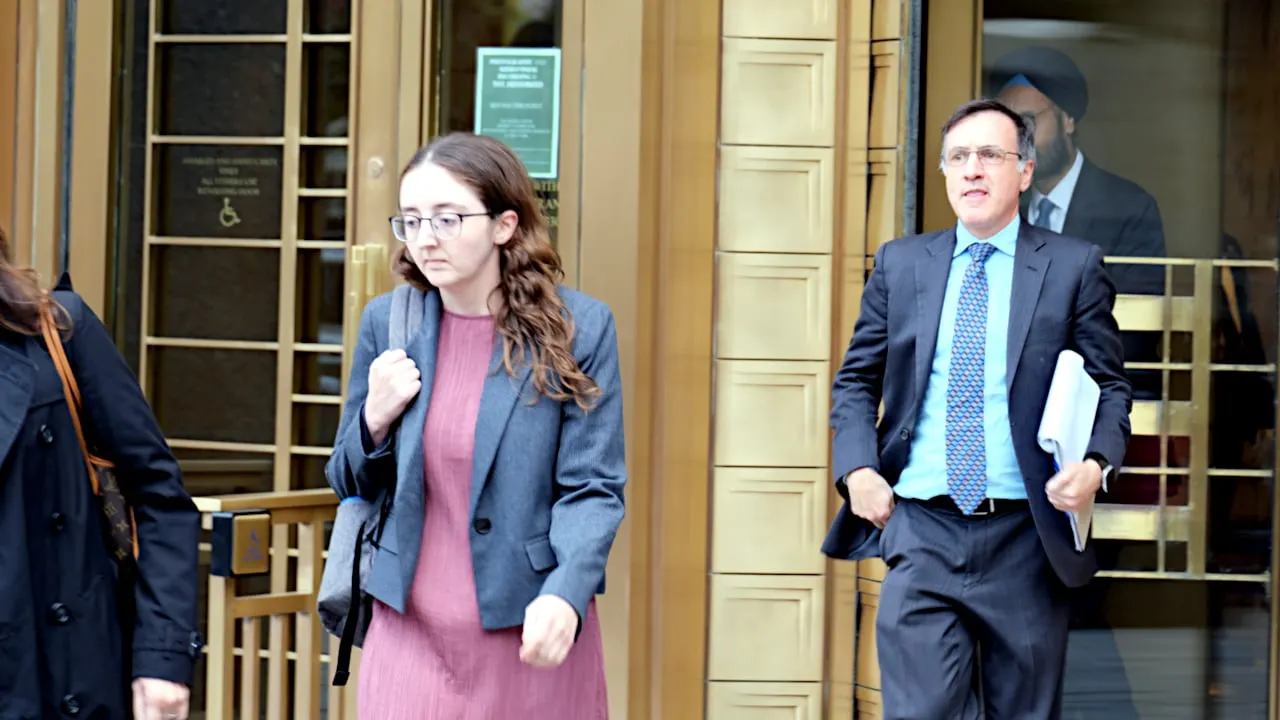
518,102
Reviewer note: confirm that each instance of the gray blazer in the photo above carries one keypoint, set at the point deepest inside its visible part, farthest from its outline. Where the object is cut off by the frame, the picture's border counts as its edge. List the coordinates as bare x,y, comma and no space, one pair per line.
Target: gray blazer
547,486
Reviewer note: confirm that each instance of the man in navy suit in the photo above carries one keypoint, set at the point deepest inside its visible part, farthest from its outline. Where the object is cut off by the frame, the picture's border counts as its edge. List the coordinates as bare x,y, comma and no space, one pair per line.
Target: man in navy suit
959,335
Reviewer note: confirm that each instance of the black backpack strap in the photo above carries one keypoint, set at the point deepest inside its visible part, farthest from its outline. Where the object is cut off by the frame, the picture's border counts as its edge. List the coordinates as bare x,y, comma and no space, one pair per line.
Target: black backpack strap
343,672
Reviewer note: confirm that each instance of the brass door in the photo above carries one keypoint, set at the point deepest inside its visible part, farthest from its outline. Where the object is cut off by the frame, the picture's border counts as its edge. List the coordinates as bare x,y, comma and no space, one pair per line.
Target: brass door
236,215
258,142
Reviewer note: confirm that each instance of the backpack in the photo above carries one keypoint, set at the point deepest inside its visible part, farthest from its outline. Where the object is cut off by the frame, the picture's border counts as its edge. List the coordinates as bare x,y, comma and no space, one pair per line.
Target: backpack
344,608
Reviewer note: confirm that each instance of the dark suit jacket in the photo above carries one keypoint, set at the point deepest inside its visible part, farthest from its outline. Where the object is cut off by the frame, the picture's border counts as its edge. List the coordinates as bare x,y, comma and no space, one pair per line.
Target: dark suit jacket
1062,299
548,479
1121,218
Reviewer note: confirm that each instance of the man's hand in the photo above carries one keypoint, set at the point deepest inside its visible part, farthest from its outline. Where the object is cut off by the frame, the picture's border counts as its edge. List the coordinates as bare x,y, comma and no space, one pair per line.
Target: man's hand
1072,488
870,496
160,700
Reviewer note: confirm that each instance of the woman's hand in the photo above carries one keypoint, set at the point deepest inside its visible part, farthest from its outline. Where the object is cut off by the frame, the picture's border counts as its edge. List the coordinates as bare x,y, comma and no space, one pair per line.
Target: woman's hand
394,380
160,700
550,624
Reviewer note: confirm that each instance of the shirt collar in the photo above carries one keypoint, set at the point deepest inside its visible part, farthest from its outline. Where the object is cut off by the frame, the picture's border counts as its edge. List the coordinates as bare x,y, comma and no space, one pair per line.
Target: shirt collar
1006,240
1061,193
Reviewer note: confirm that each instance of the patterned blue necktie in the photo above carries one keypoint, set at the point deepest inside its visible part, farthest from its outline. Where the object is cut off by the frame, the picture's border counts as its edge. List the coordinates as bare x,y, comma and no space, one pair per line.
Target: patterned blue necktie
966,442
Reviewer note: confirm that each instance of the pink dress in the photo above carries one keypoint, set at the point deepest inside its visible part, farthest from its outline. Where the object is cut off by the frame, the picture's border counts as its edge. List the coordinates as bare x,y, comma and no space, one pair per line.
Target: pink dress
435,662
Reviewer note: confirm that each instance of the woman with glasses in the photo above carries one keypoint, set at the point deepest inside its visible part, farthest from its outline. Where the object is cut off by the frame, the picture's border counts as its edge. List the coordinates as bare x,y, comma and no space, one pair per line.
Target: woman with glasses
498,434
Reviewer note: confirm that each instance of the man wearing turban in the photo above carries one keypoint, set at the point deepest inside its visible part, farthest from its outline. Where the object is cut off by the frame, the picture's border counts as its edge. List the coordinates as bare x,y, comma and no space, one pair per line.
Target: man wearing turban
1071,195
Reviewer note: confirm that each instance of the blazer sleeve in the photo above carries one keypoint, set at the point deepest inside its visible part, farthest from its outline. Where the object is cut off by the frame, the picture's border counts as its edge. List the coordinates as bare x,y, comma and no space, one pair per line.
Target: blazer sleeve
125,431
855,393
356,467
1096,337
591,474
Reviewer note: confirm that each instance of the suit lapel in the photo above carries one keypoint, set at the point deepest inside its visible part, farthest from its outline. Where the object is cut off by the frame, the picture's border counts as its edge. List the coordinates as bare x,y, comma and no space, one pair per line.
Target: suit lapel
1083,199
931,288
1029,268
501,391
410,488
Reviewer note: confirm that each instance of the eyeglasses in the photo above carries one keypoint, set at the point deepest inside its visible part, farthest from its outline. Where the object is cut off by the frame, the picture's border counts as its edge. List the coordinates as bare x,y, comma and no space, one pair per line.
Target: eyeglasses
445,225
989,156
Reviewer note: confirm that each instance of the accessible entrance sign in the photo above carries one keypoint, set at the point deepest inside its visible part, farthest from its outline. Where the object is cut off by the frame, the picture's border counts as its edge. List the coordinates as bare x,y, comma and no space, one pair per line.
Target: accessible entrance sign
518,102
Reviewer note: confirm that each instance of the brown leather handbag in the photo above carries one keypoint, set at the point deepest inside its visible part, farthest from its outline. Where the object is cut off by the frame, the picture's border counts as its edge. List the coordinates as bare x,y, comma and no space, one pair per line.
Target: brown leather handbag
118,522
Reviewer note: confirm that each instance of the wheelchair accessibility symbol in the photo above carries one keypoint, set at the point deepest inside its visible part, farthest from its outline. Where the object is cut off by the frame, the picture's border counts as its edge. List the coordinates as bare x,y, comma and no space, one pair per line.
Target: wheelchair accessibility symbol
227,216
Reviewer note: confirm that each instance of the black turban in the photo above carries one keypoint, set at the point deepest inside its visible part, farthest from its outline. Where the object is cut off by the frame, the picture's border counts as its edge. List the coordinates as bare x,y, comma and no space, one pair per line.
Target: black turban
1047,70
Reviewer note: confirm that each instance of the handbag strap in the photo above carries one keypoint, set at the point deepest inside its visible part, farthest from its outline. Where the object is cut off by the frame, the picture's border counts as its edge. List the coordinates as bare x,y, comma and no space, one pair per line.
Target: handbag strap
49,327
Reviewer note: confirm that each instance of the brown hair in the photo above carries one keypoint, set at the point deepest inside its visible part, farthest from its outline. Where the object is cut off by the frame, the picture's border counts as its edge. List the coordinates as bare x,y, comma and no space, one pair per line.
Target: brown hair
532,319
21,297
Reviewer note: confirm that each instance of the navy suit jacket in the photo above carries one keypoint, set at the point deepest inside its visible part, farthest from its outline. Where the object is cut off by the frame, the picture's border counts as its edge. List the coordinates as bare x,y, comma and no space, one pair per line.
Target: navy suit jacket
547,482
1062,299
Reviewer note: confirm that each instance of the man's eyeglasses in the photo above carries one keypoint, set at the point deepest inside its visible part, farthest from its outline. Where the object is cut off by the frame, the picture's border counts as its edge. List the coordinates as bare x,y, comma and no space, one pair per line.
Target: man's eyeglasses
989,156
445,225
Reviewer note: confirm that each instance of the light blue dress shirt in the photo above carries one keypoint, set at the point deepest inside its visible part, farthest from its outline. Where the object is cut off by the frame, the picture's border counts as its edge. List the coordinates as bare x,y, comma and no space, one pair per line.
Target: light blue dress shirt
925,475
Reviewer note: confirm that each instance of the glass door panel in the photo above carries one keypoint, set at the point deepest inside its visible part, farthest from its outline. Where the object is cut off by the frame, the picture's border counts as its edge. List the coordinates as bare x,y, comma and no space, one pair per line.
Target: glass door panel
1180,622
233,229
465,26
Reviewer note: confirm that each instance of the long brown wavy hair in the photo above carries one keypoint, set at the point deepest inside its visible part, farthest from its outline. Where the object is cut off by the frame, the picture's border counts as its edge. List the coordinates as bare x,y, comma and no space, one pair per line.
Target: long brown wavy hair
21,298
532,320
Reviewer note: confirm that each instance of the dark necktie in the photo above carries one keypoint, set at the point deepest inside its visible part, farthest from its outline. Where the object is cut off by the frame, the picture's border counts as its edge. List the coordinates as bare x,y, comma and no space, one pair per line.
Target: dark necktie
1044,212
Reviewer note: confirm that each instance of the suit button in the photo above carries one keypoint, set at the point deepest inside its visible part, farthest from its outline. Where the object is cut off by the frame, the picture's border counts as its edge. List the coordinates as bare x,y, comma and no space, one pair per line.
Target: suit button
59,614
57,522
905,434
482,525
46,435
71,705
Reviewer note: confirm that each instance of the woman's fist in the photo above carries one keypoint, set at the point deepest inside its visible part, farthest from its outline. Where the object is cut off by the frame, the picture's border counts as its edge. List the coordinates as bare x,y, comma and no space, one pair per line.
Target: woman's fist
394,380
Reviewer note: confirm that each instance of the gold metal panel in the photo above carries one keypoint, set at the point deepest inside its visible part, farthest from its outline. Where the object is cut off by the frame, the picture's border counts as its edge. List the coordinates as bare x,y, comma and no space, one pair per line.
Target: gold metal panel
869,705
842,634
868,667
771,414
766,628
249,537
774,307
886,19
883,207
1146,313
858,93
851,301
91,140
886,103
768,520
857,181
778,92
734,701
1141,522
1198,452
872,569
1144,418
798,20
776,199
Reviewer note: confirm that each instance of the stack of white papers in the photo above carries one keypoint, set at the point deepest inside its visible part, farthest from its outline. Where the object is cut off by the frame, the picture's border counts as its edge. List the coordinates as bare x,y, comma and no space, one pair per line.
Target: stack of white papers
1067,426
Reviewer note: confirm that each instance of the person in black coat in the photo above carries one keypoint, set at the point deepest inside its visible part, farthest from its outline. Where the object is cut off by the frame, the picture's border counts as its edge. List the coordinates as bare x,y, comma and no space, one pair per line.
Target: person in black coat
82,634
